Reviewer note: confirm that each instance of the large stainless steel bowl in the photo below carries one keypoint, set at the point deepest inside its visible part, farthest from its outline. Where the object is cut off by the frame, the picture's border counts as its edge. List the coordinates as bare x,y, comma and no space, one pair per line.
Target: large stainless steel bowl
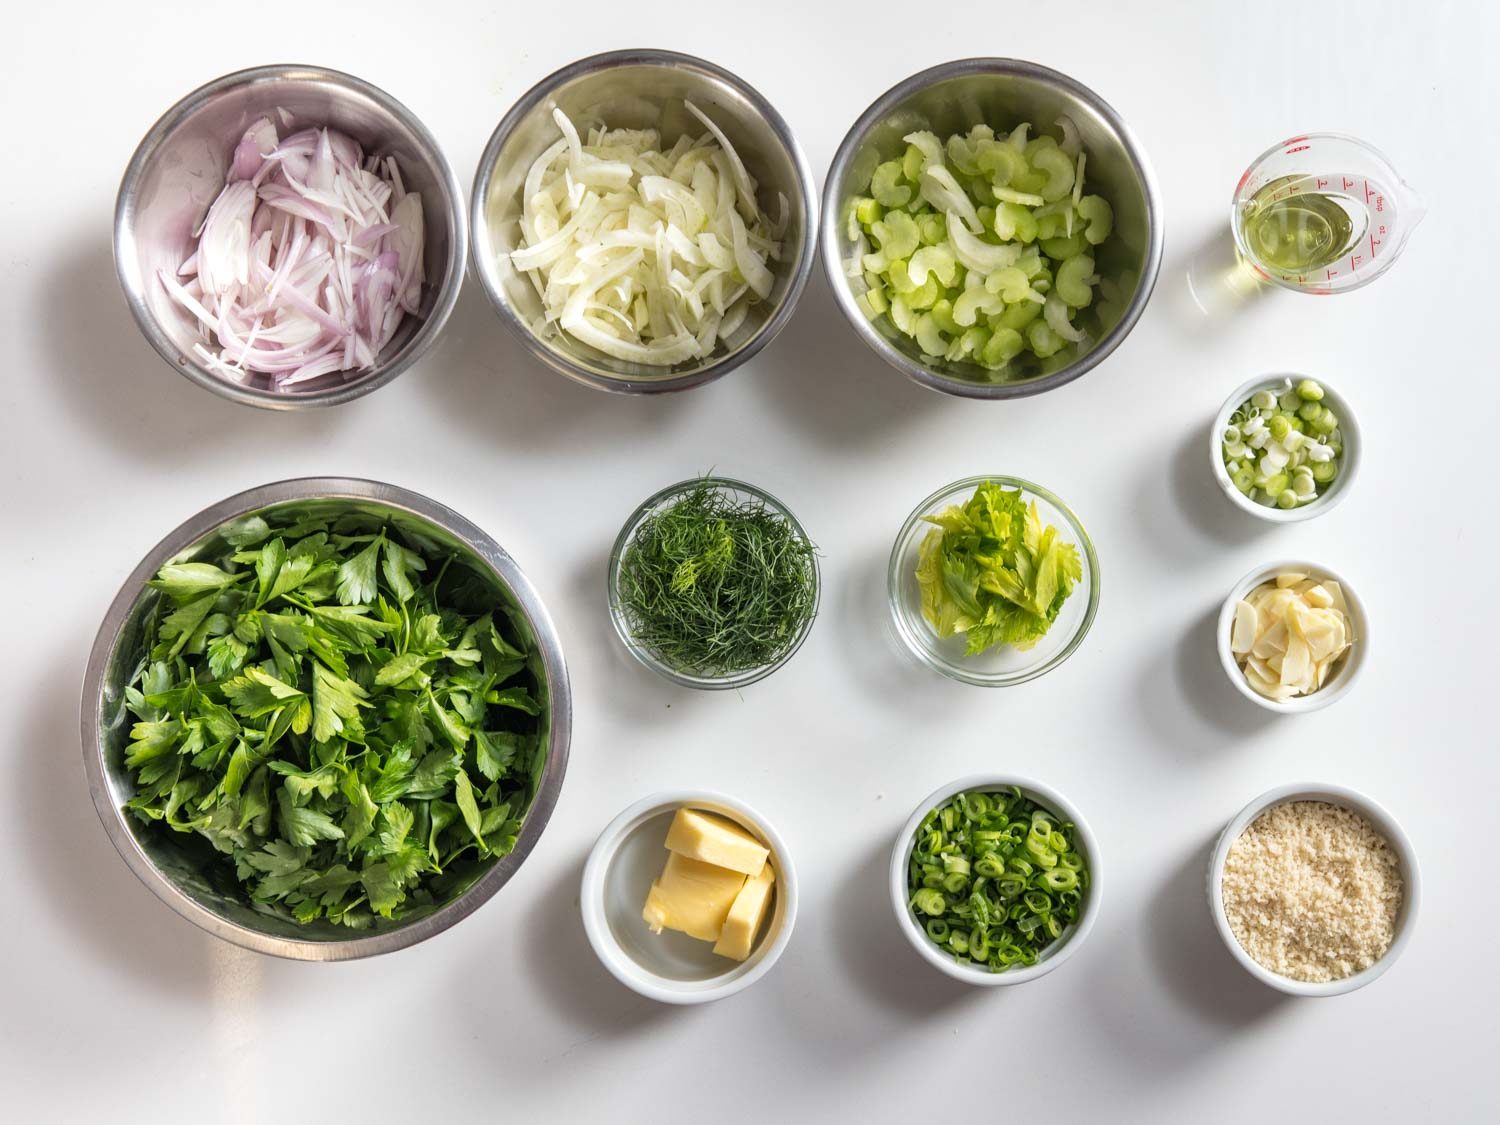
178,170
952,98
640,89
176,866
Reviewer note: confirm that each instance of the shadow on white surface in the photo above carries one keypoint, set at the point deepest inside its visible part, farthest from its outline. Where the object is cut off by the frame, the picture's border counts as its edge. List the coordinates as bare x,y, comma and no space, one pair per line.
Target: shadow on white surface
570,977
1211,289
1190,512
489,385
887,672
1216,717
1190,968
95,903
108,378
880,964
639,697
824,381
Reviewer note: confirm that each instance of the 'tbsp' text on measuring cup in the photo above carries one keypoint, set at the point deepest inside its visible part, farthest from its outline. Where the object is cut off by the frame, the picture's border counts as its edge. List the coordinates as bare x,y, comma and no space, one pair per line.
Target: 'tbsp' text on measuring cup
1322,213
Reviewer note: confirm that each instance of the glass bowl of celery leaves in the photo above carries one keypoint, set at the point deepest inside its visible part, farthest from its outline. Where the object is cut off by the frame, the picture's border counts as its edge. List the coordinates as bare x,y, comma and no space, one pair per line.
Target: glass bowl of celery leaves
993,581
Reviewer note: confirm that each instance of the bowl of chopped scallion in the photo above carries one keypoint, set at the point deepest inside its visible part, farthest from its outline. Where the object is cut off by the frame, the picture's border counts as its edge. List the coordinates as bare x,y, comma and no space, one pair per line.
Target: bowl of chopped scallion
326,719
713,583
995,880
992,581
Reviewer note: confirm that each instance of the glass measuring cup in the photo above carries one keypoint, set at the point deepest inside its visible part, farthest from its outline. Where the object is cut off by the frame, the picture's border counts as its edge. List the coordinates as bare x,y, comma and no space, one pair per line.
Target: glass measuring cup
1322,213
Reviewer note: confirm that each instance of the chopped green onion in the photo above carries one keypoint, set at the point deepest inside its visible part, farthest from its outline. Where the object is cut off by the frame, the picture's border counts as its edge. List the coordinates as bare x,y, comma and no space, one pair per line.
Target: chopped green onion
1027,884
1277,443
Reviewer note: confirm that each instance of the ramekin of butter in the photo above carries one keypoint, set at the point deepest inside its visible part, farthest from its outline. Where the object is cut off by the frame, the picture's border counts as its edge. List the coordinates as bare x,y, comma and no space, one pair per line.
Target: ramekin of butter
688,897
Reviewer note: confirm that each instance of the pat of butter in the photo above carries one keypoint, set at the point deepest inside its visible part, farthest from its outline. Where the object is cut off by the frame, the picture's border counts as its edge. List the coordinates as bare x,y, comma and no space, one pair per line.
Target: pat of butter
712,839
746,915
692,897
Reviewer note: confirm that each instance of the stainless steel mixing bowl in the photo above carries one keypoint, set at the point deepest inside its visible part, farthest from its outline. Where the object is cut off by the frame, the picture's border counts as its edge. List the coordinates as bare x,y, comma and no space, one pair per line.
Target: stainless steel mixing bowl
640,89
178,867
952,98
178,170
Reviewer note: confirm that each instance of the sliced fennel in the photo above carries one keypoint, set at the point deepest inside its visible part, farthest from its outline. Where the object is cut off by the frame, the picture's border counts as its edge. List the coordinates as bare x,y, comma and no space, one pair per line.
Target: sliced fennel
982,247
650,256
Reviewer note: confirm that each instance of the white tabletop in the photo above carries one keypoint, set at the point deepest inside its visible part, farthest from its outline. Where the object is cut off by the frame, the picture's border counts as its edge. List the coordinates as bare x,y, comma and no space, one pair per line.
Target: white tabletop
114,1005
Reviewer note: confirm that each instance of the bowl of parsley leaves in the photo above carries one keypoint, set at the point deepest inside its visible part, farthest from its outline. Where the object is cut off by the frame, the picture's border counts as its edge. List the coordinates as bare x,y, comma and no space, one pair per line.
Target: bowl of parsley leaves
326,719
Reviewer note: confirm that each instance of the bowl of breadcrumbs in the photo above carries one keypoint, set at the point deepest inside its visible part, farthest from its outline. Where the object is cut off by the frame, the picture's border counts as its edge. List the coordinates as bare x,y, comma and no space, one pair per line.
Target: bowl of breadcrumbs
1314,889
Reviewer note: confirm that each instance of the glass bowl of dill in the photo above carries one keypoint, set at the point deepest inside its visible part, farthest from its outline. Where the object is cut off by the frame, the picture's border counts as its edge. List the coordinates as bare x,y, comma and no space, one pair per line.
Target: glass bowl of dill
713,583
992,581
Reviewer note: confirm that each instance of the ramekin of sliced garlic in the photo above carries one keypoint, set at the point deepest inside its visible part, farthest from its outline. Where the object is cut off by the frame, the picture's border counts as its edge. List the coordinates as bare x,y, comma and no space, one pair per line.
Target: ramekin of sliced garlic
1291,637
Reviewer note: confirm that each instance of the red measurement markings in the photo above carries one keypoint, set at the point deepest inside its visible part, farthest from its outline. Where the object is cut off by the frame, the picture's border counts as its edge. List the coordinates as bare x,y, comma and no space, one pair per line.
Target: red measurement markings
1322,183
1379,205
1348,183
1299,148
1329,275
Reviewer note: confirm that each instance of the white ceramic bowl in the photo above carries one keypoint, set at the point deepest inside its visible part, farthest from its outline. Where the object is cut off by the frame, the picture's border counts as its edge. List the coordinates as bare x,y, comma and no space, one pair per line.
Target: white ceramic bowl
1348,462
1384,823
1343,675
671,967
1056,953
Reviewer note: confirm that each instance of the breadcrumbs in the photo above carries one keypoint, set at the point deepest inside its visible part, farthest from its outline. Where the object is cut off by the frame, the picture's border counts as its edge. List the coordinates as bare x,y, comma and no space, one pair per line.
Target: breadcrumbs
1312,890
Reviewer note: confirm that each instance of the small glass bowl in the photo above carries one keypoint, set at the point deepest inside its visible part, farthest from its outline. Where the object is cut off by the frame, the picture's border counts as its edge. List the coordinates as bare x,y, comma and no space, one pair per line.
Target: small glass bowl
740,491
1003,666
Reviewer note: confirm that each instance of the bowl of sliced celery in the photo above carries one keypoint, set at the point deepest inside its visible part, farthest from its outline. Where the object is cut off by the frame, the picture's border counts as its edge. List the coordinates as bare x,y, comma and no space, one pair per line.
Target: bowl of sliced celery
991,228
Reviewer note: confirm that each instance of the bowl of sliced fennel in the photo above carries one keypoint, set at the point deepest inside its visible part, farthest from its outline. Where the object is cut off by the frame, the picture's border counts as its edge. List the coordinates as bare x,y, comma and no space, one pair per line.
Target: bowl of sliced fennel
644,221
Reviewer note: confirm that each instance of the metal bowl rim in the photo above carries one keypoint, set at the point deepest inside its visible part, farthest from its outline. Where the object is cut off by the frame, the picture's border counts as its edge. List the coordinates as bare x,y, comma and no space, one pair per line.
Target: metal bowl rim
447,289
495,557
920,373
713,369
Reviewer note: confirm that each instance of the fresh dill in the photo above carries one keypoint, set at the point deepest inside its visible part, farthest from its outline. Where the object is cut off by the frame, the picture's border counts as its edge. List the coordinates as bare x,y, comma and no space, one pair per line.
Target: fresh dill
717,582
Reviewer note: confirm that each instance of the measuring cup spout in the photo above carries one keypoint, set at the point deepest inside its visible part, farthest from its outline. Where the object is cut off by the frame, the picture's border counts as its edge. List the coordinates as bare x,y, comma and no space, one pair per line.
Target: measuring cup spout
1413,210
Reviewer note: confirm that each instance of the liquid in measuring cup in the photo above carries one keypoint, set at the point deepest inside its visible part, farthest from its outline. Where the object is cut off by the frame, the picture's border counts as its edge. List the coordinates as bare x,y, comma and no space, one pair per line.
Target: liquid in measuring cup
1316,230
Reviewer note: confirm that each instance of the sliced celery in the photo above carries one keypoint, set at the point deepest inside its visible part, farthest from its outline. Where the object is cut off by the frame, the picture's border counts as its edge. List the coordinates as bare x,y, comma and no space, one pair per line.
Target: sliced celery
1010,283
962,155
1051,226
1002,347
897,234
902,316
1075,279
1015,223
866,210
874,302
1024,198
933,229
912,163
999,161
925,295
929,337
1044,342
899,277
1099,215
1057,166
887,187
942,316
972,302
1019,315
1061,247
937,260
